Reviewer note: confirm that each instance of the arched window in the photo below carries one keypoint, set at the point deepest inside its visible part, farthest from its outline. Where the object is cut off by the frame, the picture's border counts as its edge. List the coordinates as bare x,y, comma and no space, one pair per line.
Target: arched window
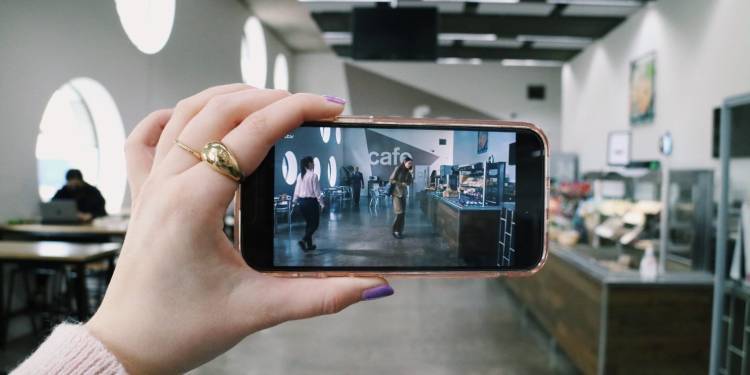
253,55
81,128
281,73
147,23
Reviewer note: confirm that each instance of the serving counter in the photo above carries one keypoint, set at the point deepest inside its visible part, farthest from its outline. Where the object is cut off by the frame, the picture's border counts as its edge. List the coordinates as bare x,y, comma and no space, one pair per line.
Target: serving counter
473,230
614,322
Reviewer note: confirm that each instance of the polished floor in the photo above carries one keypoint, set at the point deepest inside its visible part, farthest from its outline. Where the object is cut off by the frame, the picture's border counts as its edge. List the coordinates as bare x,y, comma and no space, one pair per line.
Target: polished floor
428,327
361,236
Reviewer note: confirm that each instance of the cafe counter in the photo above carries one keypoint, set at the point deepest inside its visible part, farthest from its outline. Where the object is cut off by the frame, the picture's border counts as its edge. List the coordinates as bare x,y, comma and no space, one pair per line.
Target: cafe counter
611,321
473,230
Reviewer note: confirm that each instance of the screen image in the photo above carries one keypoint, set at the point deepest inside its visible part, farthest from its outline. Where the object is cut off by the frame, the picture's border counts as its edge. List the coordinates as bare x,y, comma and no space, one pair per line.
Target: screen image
380,197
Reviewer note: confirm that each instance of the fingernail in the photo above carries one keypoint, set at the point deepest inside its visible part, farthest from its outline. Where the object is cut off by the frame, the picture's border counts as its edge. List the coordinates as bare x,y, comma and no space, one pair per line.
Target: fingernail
335,99
377,292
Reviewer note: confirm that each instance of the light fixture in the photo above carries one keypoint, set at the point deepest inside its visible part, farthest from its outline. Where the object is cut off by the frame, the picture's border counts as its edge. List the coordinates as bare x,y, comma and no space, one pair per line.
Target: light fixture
474,1
611,3
534,63
450,37
335,38
344,1
147,23
281,73
554,39
459,61
253,54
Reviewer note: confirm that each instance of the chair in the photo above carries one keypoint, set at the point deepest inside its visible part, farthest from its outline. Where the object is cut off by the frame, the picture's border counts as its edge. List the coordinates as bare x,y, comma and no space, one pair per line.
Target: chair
282,206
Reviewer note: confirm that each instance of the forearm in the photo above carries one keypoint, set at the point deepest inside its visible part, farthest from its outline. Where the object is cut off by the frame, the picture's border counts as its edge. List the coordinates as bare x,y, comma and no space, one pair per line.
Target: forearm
71,349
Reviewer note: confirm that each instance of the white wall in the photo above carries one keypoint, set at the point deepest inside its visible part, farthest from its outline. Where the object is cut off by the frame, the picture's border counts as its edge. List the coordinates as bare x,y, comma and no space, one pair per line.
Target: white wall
496,90
43,44
703,55
490,88
320,73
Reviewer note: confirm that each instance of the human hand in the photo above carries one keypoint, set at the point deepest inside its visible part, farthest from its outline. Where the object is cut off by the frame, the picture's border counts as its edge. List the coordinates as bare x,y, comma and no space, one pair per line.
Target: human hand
181,294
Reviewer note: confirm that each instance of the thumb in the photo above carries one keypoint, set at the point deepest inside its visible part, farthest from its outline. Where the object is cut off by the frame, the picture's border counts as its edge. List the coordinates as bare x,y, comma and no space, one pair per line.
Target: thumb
305,298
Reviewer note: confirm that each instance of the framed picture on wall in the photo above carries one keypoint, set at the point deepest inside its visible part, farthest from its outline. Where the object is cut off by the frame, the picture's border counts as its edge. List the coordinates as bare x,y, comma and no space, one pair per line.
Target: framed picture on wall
642,89
618,148
483,138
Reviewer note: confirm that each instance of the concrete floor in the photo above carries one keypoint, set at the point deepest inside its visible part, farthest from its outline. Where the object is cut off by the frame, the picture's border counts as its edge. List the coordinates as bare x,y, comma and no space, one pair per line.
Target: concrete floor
427,327
361,236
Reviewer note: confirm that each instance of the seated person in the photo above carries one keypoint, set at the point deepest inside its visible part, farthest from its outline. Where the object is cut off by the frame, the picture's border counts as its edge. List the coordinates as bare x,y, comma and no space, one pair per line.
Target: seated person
89,200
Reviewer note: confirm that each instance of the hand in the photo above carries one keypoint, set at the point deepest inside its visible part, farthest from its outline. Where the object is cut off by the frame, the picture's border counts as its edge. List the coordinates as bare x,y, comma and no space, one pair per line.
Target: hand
181,294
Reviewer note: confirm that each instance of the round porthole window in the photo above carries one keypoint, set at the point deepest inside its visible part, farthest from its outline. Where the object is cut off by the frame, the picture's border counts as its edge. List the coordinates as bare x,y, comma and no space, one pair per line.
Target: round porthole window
253,55
316,166
338,136
289,168
281,73
325,134
332,171
147,23
81,128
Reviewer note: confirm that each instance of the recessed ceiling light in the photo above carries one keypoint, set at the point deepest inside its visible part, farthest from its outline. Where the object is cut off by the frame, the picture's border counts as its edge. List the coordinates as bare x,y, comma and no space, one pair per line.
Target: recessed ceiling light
474,1
337,37
466,37
535,63
344,1
459,61
613,3
568,40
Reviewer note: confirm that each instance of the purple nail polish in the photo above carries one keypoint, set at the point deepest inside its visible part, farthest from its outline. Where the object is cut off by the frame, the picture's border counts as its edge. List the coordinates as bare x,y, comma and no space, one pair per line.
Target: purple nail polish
335,99
377,292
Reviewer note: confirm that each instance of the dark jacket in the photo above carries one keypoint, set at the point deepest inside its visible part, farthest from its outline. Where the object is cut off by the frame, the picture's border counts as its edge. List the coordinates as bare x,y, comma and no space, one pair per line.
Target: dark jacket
357,180
401,178
88,199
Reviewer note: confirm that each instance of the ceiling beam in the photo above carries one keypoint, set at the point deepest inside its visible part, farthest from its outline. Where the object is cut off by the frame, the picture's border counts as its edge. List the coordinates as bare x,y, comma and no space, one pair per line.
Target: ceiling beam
501,25
486,53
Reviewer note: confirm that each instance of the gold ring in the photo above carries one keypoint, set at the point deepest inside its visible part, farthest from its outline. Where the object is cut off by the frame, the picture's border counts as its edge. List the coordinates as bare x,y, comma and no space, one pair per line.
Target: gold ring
188,149
218,156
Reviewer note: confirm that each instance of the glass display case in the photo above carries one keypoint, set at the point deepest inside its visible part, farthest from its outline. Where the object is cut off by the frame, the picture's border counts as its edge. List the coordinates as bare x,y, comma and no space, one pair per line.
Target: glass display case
481,184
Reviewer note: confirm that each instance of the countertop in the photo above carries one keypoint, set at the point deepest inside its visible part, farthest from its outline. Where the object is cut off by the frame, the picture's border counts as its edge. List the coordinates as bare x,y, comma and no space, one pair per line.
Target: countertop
591,266
453,203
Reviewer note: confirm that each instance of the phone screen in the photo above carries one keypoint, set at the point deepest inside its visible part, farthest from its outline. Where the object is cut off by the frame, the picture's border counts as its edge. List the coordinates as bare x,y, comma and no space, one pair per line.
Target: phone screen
395,198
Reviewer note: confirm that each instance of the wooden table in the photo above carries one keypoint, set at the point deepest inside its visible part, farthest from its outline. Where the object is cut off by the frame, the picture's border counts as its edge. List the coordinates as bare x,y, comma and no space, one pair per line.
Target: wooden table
47,253
96,232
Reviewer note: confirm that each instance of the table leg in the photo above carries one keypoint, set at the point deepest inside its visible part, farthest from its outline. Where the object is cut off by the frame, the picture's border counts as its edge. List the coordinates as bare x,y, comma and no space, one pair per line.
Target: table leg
82,296
4,321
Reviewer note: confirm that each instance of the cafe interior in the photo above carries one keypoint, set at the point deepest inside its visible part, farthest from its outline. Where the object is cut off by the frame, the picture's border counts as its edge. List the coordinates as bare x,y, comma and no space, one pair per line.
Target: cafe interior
645,103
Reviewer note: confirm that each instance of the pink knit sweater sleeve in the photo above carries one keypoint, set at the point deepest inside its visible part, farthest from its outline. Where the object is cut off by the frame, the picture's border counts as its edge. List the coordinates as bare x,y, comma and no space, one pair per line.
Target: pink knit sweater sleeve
70,349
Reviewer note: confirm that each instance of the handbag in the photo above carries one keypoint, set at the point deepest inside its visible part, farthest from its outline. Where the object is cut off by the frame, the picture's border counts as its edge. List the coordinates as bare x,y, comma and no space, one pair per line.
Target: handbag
391,188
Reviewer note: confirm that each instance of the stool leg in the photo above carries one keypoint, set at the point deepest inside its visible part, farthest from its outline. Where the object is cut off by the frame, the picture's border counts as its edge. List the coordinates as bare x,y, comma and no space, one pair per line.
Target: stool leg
30,304
82,299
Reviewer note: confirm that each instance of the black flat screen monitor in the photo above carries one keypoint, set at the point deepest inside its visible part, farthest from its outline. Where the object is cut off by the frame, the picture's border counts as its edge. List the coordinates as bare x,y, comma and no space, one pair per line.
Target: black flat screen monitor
383,33
740,124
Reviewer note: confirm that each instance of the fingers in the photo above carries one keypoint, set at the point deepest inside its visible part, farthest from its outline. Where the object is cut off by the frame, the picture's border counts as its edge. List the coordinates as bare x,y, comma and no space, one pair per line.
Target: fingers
251,140
185,110
291,299
218,117
140,147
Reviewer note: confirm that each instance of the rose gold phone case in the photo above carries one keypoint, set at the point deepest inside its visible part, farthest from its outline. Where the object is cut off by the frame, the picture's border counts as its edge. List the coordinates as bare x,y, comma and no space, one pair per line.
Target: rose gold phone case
346,121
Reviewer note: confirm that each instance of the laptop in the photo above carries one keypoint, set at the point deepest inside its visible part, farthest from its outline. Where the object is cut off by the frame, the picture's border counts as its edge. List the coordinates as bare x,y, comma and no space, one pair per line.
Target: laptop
60,212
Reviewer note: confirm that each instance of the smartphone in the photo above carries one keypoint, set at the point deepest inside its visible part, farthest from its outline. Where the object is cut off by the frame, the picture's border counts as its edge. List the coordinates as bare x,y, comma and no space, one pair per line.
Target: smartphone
364,196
